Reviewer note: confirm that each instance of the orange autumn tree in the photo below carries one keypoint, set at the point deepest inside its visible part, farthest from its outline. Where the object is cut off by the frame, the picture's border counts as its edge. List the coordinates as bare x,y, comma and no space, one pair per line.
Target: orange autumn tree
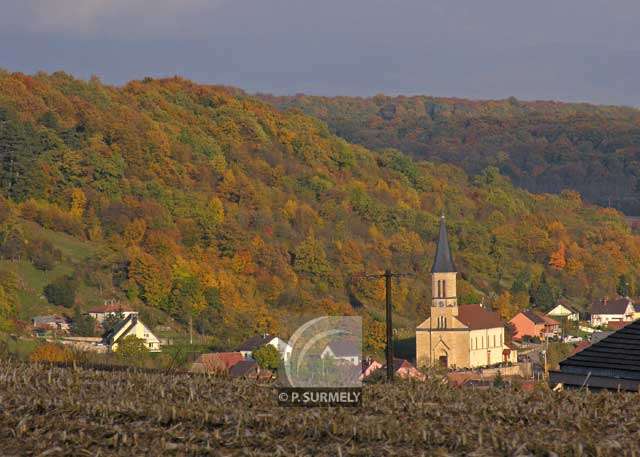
558,258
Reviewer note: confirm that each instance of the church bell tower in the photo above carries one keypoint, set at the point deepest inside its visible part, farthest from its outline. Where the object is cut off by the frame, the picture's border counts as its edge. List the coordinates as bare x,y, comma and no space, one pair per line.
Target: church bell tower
444,301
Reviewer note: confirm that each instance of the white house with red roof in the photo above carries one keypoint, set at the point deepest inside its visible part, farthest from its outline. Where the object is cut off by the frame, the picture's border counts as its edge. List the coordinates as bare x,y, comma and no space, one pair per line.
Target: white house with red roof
110,308
458,336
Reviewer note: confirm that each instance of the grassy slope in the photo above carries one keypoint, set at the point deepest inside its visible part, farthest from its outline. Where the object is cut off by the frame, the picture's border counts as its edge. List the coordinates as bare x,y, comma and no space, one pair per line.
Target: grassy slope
32,280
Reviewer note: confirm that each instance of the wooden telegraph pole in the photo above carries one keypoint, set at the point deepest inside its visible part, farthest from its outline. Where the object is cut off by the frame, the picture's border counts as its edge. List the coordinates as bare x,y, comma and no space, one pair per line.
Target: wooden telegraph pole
387,275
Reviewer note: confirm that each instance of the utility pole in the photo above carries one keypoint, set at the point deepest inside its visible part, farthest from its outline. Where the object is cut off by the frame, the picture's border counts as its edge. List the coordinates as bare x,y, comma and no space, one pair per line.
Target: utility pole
389,348
387,275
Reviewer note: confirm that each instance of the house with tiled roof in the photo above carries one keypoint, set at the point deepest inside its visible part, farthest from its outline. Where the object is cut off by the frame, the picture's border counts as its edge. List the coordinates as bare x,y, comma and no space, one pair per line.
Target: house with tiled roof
253,343
131,326
531,323
55,322
611,363
346,349
217,362
111,308
458,336
563,310
604,311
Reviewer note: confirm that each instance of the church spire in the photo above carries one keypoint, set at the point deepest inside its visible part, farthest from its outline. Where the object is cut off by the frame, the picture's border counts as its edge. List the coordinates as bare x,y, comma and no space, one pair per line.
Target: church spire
443,263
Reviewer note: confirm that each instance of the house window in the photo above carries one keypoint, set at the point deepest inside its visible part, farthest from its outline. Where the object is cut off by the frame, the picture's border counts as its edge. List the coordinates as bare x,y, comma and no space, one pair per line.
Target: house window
494,341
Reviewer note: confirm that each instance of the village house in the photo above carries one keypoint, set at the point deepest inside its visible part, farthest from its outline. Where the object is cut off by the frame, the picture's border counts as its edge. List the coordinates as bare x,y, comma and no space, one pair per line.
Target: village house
457,336
604,311
110,308
563,310
534,324
55,323
131,326
217,362
249,369
343,349
404,369
369,365
247,348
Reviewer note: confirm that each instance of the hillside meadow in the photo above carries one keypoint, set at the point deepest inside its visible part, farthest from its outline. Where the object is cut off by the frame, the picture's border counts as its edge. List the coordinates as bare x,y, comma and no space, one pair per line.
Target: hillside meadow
65,411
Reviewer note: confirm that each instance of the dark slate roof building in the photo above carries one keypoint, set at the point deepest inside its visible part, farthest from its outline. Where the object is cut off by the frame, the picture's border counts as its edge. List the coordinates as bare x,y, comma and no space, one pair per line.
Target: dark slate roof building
615,306
443,262
611,363
244,369
255,342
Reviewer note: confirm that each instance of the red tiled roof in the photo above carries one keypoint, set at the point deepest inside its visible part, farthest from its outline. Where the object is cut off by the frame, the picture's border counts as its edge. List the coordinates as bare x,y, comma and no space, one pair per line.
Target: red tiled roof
538,318
477,317
547,320
220,360
580,346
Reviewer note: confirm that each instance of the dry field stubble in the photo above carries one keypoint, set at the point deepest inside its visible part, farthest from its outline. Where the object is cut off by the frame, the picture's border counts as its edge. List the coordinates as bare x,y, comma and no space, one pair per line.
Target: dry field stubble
64,411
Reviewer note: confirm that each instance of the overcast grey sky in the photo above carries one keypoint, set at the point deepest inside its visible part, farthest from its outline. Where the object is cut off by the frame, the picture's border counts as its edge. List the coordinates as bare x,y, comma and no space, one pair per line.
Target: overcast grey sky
576,50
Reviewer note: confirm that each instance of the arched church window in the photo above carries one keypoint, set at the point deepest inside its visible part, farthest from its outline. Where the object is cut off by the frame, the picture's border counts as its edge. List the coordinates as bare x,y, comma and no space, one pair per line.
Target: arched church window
444,288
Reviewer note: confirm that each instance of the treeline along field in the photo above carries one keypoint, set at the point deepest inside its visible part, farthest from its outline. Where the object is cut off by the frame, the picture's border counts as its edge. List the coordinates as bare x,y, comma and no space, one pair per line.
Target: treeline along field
47,410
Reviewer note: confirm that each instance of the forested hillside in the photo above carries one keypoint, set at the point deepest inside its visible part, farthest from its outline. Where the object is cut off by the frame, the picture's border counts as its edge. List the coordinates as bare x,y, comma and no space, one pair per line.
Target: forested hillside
541,146
198,200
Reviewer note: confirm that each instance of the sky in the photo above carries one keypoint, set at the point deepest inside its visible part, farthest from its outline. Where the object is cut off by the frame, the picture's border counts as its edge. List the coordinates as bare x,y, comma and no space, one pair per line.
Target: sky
572,50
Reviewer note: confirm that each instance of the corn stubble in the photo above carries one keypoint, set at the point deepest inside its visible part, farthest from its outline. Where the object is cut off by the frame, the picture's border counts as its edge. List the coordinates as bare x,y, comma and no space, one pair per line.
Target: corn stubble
46,410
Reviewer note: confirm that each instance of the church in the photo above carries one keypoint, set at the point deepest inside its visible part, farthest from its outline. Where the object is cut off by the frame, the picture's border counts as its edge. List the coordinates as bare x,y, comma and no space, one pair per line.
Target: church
457,336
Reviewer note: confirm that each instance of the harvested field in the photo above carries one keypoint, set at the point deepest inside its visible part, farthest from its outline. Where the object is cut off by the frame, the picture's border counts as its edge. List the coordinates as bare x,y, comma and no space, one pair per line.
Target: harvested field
65,411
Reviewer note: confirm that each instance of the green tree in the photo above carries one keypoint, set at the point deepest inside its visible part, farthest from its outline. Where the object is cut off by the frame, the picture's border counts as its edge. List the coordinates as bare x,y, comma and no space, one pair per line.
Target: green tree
310,258
496,253
131,348
542,294
624,287
521,282
267,357
62,292
83,324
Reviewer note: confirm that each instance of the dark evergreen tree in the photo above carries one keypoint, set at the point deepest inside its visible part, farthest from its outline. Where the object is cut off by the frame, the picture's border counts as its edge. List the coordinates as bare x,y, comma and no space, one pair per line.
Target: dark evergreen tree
83,324
521,282
542,294
624,287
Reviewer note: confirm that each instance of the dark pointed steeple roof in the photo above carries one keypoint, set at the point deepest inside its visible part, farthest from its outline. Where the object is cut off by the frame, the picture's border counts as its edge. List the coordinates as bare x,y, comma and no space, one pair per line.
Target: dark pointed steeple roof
443,263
